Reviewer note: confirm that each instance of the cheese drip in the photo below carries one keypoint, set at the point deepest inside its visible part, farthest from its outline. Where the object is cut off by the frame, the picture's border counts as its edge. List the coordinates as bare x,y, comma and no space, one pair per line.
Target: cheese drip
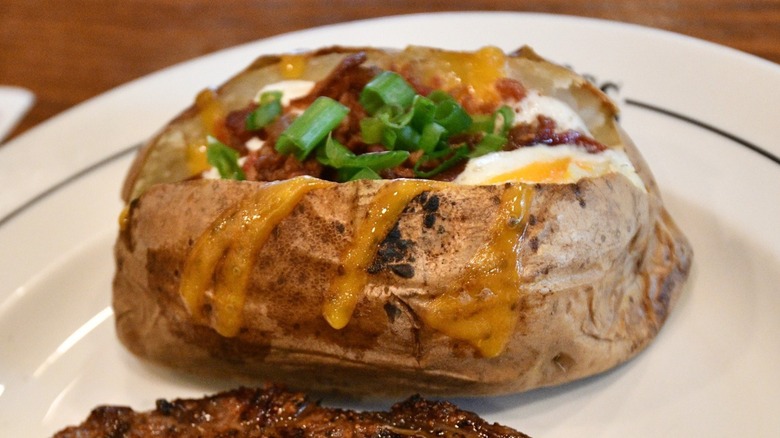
384,211
293,66
222,259
482,308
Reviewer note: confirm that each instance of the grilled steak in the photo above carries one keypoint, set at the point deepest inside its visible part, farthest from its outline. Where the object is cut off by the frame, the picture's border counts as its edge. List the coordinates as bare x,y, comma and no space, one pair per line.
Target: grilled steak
274,412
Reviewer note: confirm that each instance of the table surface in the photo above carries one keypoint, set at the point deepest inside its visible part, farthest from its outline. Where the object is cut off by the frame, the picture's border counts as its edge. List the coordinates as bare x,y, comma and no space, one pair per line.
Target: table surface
69,51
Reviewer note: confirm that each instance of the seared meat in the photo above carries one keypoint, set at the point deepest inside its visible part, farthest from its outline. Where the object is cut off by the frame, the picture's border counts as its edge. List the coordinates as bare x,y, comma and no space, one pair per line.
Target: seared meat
275,412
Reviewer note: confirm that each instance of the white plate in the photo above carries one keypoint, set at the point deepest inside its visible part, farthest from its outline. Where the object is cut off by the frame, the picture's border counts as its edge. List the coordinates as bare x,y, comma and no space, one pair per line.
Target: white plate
712,371
14,104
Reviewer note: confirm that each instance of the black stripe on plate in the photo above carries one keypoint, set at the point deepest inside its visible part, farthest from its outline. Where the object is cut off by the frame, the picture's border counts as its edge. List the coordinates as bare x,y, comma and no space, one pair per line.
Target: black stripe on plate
752,146
66,181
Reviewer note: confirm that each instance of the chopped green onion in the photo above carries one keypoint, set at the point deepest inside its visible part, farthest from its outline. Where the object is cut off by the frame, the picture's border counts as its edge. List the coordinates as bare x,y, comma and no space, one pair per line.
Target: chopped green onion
408,139
438,96
270,96
311,127
389,137
388,88
393,116
224,159
334,154
508,118
423,112
489,143
339,156
431,134
371,130
269,108
459,154
483,123
379,160
452,116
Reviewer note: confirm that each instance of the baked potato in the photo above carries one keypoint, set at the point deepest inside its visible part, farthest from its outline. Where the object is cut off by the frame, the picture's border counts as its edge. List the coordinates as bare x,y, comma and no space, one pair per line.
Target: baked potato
524,246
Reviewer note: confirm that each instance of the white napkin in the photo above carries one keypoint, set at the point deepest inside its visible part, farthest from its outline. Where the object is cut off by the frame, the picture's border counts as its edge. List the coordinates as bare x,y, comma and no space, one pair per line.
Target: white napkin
14,104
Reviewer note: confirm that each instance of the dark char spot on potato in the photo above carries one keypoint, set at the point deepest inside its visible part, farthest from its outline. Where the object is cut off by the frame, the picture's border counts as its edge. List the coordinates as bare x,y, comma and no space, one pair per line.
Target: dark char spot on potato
403,270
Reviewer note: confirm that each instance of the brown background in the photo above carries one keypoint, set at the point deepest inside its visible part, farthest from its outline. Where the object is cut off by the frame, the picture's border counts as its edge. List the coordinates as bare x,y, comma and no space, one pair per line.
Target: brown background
68,51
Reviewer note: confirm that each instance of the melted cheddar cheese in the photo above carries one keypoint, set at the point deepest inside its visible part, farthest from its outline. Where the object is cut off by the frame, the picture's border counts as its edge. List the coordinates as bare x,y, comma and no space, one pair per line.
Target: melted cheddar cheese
468,76
218,268
481,308
477,71
197,162
293,66
211,113
383,213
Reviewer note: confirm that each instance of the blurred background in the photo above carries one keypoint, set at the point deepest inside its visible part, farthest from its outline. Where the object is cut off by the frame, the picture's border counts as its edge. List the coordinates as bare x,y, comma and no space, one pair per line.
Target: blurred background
68,51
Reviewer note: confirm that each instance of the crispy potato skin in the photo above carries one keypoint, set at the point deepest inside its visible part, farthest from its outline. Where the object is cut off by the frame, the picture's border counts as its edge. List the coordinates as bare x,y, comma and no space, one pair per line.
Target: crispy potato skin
601,264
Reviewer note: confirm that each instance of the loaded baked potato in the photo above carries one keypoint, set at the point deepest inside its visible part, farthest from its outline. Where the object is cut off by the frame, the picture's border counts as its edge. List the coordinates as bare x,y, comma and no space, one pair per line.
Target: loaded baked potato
373,221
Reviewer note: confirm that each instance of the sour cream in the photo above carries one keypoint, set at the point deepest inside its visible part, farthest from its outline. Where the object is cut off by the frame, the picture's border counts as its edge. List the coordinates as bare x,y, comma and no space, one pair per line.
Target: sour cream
291,89
535,104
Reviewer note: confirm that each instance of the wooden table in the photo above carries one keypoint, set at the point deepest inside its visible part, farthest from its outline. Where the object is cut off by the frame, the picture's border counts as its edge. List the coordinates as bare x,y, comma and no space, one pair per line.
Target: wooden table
69,51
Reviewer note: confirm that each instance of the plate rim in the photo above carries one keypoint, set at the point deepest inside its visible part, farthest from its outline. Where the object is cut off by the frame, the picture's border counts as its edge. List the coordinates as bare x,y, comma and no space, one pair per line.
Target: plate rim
122,155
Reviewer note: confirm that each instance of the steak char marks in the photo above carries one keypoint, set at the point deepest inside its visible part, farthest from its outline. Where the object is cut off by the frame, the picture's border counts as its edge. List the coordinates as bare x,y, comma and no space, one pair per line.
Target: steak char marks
275,412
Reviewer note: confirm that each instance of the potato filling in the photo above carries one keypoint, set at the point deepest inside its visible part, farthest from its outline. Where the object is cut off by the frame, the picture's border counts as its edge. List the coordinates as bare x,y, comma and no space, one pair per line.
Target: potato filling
417,120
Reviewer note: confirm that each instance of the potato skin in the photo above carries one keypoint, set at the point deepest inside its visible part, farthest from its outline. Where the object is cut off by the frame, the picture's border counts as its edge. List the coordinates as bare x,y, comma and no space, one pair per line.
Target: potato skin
601,267
601,264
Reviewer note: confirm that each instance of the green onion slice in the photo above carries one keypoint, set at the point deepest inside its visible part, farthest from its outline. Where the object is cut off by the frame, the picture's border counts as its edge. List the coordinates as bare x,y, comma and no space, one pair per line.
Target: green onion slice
507,117
379,160
307,131
224,159
387,88
431,136
423,111
483,123
339,156
452,116
269,107
407,139
489,143
270,96
459,154
371,130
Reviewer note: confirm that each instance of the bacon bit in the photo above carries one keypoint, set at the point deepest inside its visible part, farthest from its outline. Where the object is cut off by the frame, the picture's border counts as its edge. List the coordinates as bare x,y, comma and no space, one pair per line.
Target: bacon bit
267,164
235,127
408,71
544,133
510,89
471,103
397,172
344,77
451,173
348,133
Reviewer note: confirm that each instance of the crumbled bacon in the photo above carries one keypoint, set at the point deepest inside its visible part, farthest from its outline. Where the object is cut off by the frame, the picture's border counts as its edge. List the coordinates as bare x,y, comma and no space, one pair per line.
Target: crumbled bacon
235,124
347,77
267,164
543,132
510,89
